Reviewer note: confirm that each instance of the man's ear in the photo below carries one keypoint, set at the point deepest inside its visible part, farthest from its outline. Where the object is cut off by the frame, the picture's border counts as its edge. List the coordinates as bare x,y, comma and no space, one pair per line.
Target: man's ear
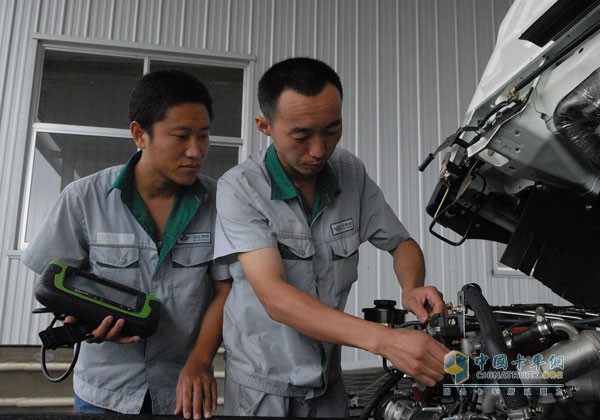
263,125
138,134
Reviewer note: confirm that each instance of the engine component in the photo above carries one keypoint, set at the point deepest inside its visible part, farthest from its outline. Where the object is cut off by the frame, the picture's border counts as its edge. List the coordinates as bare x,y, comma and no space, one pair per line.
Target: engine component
385,312
535,361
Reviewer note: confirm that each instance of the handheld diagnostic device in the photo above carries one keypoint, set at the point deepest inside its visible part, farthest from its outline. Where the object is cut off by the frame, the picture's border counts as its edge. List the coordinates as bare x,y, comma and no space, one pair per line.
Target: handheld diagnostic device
90,298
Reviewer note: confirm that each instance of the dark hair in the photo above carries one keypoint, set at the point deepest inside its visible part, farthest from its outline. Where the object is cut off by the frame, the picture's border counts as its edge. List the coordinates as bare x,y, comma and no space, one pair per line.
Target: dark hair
307,76
158,91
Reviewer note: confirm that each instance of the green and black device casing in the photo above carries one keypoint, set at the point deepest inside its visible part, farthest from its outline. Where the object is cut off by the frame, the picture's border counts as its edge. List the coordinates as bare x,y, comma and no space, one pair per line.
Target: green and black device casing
55,292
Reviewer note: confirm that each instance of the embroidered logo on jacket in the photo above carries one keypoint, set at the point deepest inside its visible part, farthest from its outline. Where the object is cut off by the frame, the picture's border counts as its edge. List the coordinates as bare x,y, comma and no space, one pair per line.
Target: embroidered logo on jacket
343,226
194,238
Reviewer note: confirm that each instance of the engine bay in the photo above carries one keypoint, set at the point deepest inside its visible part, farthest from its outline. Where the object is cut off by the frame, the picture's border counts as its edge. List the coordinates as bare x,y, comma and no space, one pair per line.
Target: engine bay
523,361
523,170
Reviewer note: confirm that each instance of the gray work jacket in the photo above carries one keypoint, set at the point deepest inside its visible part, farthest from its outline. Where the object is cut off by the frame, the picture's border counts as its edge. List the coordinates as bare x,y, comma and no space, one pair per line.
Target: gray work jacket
258,207
91,227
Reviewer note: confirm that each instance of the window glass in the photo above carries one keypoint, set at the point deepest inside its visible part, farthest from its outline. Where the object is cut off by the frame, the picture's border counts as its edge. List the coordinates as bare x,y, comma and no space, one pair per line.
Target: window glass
220,158
62,158
82,127
86,89
500,269
225,86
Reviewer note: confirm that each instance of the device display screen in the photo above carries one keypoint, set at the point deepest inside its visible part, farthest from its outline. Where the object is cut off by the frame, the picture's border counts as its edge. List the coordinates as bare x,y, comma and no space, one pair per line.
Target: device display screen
102,291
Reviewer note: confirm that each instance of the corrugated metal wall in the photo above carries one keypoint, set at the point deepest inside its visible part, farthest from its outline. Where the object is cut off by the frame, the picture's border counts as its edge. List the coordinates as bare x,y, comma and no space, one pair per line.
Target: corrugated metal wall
409,68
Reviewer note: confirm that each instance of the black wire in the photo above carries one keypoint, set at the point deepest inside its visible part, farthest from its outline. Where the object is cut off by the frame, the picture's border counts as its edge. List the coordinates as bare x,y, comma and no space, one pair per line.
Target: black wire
66,374
409,324
385,366
494,110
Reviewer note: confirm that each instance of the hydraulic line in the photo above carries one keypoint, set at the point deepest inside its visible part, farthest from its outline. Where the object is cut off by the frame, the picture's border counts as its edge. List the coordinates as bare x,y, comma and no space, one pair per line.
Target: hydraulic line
493,342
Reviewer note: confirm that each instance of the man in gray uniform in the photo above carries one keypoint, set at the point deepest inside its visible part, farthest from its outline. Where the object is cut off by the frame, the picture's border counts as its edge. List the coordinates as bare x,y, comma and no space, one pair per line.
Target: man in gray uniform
290,221
148,224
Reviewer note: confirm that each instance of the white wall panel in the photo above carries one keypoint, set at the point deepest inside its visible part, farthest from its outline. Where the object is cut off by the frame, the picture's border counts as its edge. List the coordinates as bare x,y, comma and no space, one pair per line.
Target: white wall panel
18,304
326,34
409,69
18,20
241,34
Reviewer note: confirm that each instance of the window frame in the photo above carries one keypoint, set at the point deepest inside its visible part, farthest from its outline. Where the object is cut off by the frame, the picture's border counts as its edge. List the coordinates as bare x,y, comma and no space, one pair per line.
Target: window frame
146,53
499,269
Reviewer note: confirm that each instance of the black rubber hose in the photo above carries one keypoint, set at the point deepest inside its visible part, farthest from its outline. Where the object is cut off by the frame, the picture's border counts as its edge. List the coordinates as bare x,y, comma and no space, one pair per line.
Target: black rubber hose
493,342
380,393
527,336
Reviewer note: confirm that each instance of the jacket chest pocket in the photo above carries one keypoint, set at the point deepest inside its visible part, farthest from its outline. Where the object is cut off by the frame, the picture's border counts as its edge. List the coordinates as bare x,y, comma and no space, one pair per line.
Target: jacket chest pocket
344,260
297,256
120,264
189,268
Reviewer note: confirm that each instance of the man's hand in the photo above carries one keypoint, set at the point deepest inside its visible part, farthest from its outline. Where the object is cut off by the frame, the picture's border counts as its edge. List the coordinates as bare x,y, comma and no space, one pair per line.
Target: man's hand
409,266
107,332
416,354
196,391
423,301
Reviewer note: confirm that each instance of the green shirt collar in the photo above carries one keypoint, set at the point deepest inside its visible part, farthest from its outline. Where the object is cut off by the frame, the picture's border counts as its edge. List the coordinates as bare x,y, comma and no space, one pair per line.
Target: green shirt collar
186,204
282,187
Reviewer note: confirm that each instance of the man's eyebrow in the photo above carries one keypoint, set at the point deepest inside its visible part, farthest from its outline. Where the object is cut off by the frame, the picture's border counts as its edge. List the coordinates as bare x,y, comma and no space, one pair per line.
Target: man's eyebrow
187,128
334,123
296,130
